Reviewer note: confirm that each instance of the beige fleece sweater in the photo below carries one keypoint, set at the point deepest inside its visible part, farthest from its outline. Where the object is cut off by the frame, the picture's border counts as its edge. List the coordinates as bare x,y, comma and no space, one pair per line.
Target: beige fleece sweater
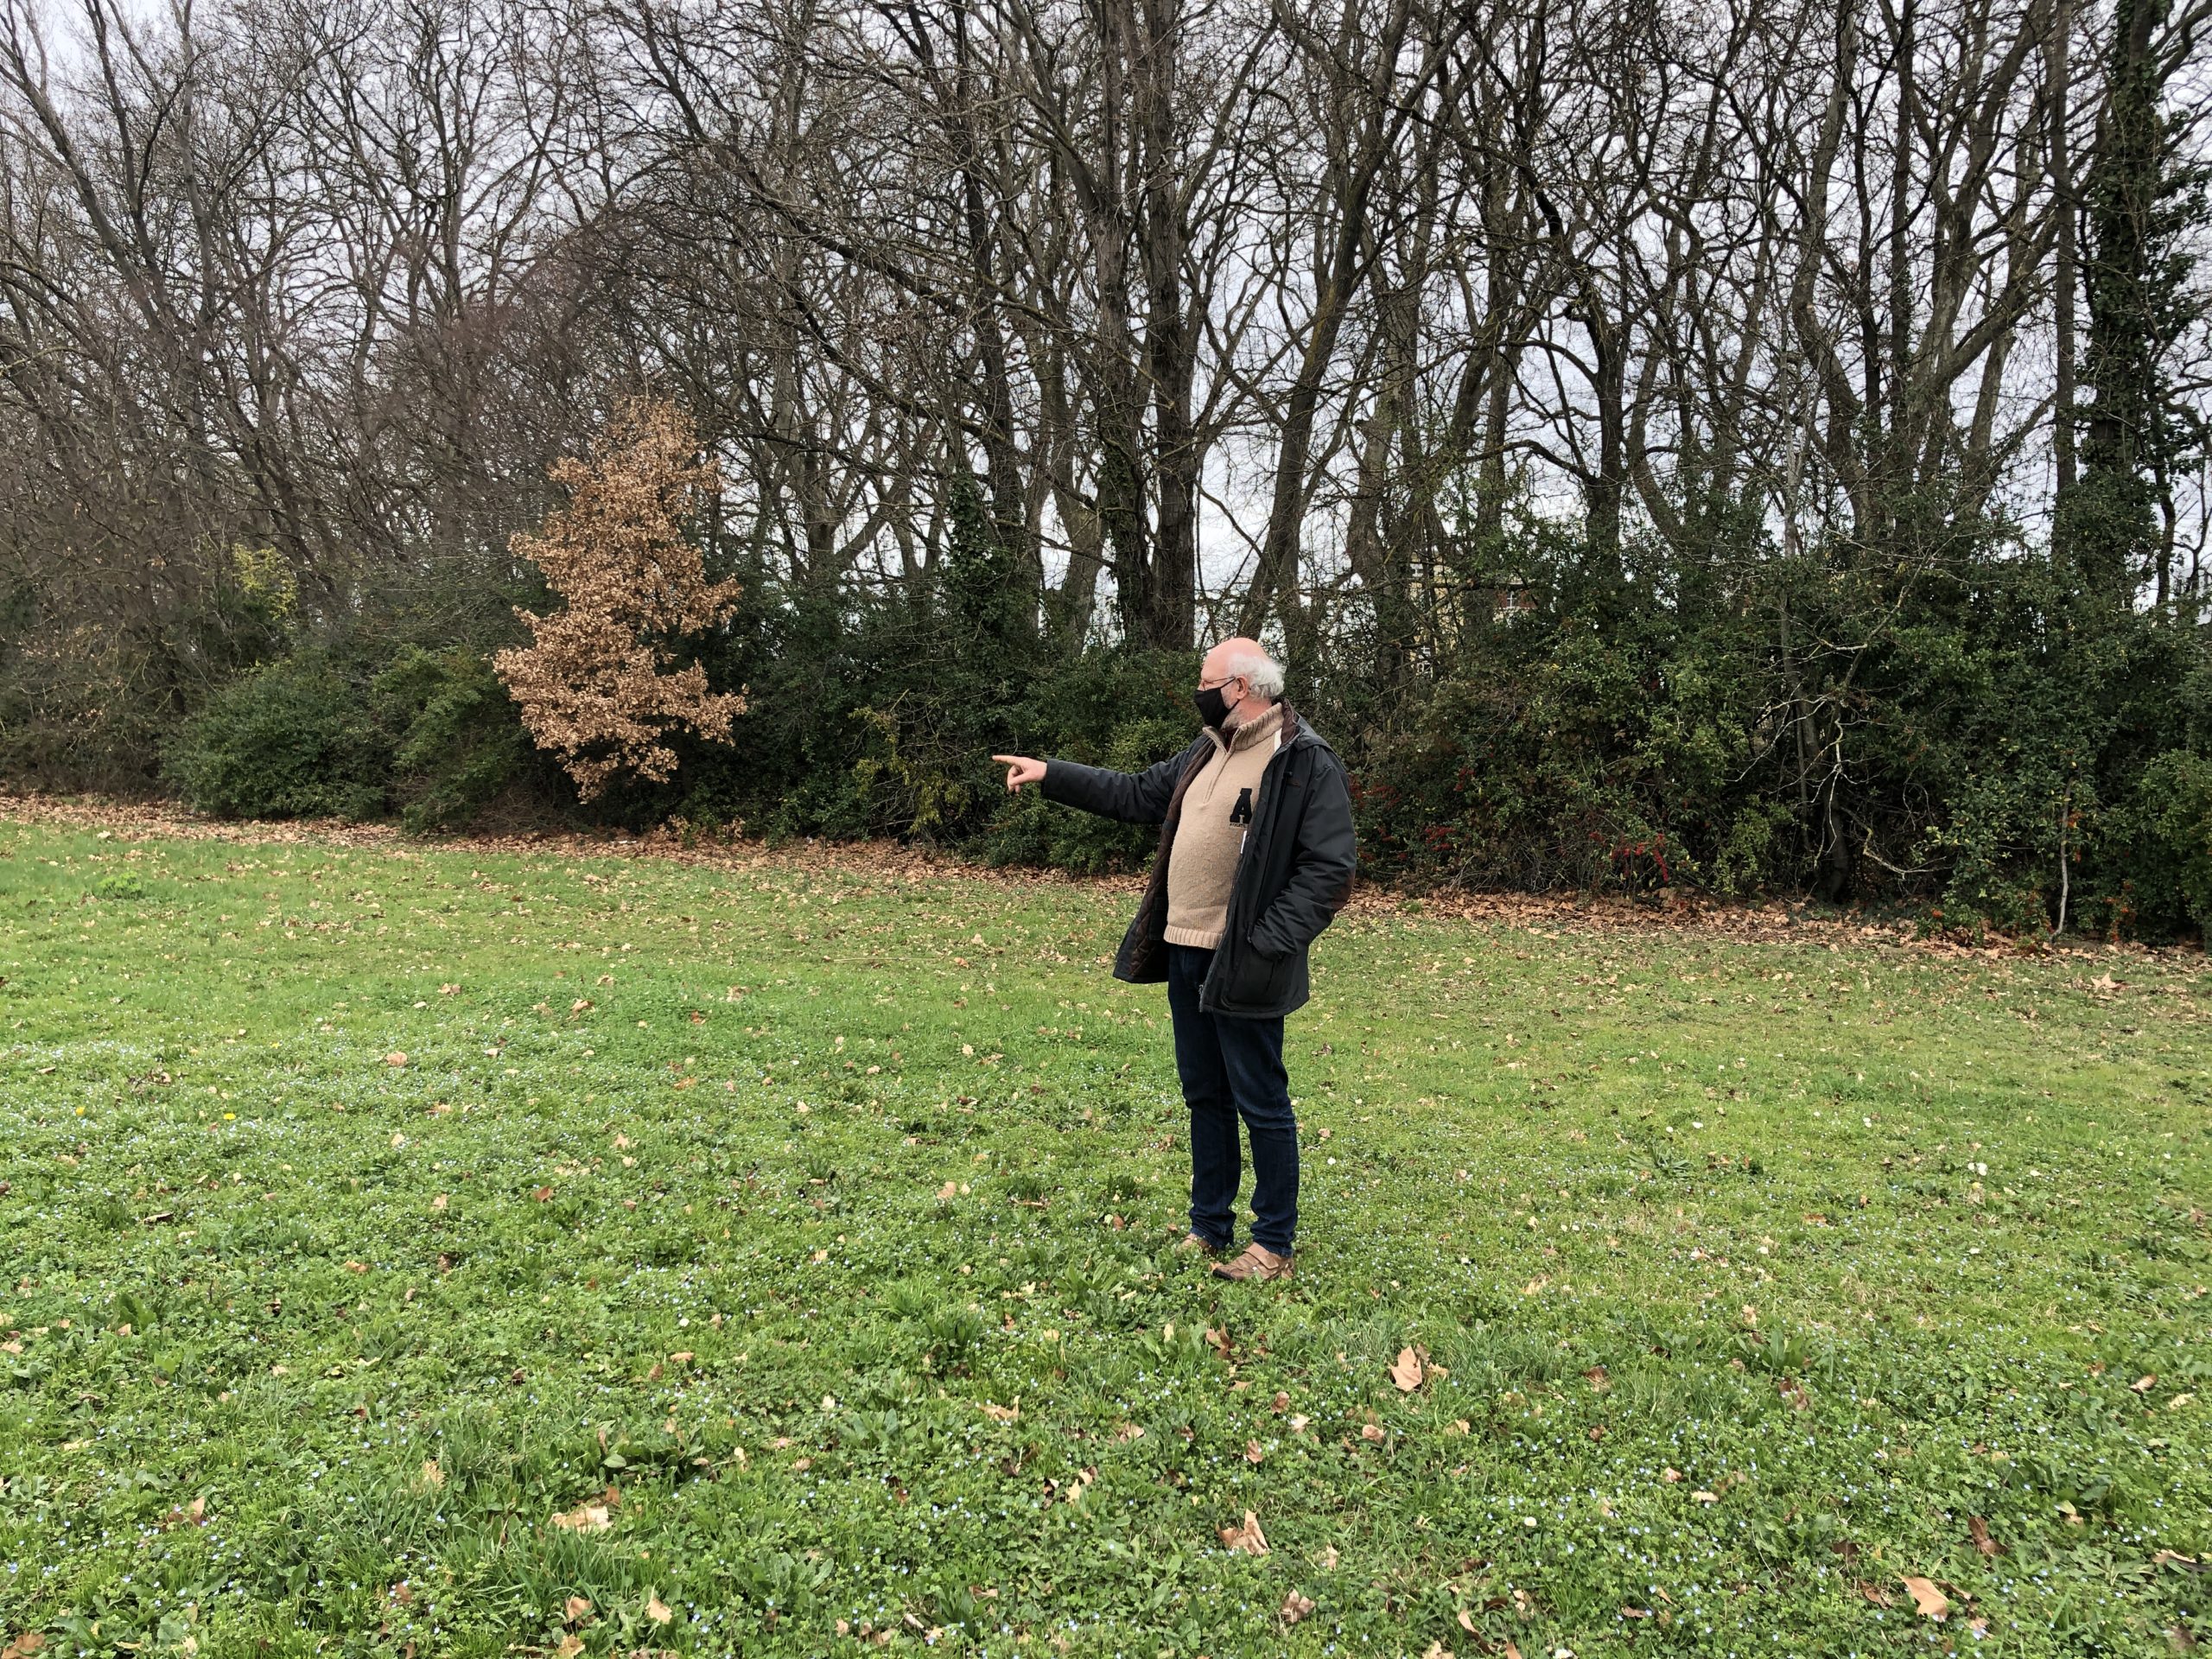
1218,808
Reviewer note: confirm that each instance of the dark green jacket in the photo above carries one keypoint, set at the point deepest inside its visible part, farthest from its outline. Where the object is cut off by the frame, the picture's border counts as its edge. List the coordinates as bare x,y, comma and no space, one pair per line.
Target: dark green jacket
1292,877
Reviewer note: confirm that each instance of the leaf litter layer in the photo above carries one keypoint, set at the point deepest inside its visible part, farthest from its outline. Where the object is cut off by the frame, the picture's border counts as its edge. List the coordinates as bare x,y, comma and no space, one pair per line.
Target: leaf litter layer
482,1248
1681,913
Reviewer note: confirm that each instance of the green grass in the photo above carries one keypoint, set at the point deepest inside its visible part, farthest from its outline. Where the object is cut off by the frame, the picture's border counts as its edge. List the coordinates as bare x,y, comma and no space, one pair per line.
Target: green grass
305,1349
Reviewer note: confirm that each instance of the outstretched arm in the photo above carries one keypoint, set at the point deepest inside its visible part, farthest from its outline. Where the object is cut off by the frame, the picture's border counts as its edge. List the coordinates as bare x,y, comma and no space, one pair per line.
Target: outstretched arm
1132,796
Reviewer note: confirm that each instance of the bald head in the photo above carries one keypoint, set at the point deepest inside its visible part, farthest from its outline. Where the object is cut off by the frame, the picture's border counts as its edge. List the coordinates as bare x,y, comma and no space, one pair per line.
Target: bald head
1246,660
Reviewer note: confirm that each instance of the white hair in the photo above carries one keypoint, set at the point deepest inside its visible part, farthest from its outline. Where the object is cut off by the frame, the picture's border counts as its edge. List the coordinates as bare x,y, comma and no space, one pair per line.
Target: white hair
1258,669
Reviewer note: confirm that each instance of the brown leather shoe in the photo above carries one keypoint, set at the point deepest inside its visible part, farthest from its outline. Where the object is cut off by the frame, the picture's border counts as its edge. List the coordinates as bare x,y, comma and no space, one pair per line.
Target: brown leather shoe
1197,1244
1257,1263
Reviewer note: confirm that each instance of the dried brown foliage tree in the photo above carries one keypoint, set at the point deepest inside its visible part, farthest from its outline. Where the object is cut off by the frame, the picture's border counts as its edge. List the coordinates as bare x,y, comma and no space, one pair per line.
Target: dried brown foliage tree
598,687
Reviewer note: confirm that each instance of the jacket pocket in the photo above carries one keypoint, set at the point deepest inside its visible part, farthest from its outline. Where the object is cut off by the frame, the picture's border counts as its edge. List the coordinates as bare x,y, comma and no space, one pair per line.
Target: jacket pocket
1264,980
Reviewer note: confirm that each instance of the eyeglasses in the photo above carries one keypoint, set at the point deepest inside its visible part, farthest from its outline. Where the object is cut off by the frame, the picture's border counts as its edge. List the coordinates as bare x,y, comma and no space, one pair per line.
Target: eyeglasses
1211,685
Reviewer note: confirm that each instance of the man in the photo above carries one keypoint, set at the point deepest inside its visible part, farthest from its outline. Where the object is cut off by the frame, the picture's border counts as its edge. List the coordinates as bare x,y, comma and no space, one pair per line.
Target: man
1255,856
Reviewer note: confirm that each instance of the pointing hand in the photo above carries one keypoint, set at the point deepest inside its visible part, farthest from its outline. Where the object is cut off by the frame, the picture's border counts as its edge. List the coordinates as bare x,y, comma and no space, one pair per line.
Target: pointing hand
1020,770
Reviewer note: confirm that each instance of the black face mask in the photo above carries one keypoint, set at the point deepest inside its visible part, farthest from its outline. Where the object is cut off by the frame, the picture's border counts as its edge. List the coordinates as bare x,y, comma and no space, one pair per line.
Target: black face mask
1212,706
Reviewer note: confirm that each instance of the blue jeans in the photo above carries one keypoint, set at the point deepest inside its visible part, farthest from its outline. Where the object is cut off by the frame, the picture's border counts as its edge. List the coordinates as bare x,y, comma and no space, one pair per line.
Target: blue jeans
1232,1068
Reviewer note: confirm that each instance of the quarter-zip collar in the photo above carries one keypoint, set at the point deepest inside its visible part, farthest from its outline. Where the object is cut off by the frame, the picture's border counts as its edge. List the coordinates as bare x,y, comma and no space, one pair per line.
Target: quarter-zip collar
1256,730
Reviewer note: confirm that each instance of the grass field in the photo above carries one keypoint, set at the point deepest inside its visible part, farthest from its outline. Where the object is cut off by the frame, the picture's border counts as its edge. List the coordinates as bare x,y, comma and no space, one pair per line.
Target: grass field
421,1251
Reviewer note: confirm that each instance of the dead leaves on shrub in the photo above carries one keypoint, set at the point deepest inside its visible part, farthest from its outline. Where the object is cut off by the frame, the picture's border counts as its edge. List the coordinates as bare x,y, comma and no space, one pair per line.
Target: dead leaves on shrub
598,686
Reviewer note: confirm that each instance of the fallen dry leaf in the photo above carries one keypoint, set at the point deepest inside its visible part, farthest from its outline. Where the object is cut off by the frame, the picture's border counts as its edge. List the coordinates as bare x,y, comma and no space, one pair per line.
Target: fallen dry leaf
1437,1650
1874,1593
949,1190
1978,1529
1369,1432
1927,1600
571,1645
656,1610
1002,1414
2143,1385
574,1608
1295,1607
22,1647
433,1477
1253,1454
1247,1538
1407,1372
585,1517
395,1058
1598,1378
1467,1622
